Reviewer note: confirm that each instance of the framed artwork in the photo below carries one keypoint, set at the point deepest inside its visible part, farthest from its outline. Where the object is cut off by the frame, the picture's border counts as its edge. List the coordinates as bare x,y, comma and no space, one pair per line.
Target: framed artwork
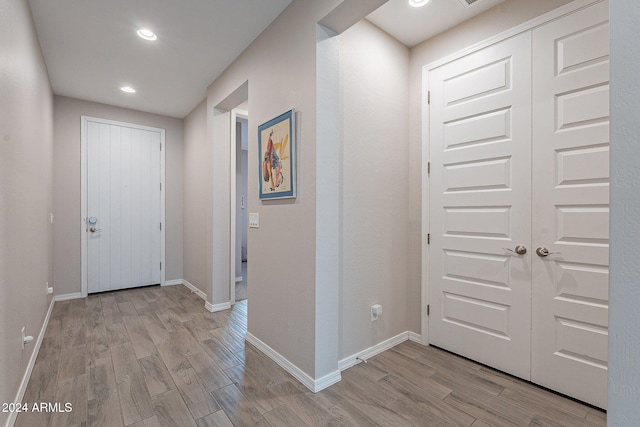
276,151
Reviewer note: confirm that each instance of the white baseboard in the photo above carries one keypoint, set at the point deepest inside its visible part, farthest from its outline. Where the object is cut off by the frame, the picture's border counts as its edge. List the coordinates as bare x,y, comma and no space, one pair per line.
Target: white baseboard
217,307
173,282
194,289
32,362
354,359
415,337
313,385
239,279
65,297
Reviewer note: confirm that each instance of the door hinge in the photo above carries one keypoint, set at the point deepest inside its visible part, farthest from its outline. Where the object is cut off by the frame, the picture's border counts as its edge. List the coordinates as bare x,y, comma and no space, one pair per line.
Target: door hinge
429,97
160,186
160,226
428,238
160,265
428,168
161,146
428,310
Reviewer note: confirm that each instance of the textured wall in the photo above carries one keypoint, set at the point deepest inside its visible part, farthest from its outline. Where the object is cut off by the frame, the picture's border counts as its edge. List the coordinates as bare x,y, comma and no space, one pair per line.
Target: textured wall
26,144
195,200
624,293
375,196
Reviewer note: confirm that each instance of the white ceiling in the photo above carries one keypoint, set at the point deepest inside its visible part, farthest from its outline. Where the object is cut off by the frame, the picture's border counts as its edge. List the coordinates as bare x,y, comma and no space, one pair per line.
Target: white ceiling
91,48
412,25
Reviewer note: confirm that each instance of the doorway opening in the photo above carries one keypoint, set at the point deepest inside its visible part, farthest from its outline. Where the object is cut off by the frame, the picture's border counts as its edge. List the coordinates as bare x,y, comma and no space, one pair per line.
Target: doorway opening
240,257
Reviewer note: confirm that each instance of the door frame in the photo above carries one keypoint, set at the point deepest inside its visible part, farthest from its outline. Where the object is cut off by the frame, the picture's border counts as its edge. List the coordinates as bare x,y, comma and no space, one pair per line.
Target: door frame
84,120
235,113
426,114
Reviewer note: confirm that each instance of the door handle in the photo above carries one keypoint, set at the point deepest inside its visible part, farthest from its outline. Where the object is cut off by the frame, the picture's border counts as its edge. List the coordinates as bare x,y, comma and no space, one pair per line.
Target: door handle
93,229
544,252
519,250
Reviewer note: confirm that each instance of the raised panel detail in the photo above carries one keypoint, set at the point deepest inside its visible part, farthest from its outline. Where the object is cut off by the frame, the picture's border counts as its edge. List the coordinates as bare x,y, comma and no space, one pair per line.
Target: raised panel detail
477,268
583,224
583,283
481,129
479,315
491,174
583,108
583,166
582,342
490,222
483,81
583,49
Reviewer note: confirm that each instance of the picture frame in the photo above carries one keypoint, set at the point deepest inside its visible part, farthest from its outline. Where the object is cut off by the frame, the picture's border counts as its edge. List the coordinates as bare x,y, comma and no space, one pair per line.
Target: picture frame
276,158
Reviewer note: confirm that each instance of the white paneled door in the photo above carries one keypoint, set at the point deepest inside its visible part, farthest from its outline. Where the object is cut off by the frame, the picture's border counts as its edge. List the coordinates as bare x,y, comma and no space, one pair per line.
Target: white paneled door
480,198
571,204
123,216
519,204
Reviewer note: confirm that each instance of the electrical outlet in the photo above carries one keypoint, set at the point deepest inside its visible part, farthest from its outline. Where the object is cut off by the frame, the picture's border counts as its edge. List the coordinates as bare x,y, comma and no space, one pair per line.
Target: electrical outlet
376,311
26,339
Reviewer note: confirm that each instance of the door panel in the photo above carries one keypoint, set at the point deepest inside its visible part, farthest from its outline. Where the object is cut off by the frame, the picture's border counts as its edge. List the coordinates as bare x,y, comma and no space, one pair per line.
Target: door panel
480,192
123,194
571,204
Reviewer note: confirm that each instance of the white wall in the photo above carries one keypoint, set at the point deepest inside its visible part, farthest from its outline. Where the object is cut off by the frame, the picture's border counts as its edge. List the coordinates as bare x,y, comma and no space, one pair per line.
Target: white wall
490,23
197,202
289,310
280,70
26,145
374,71
624,292
66,182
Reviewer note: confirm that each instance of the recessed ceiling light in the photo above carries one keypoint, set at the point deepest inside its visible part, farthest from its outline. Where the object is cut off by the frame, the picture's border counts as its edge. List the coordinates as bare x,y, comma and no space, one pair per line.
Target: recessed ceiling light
128,89
147,34
418,3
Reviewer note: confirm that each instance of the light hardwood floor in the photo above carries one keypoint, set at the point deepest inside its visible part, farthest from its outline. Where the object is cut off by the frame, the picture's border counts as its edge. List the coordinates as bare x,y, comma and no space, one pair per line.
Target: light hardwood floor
155,357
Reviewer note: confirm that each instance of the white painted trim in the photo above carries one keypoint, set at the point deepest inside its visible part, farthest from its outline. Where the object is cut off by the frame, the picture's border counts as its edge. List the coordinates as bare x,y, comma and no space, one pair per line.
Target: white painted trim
545,18
217,307
313,385
415,337
243,114
66,297
352,360
194,289
232,216
327,381
83,195
173,282
32,362
239,279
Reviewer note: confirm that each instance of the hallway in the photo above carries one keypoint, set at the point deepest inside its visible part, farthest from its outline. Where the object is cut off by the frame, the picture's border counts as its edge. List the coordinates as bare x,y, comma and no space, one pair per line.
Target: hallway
155,357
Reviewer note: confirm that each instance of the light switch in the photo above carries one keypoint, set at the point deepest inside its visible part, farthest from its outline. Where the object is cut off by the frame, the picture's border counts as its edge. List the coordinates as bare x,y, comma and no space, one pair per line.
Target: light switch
254,220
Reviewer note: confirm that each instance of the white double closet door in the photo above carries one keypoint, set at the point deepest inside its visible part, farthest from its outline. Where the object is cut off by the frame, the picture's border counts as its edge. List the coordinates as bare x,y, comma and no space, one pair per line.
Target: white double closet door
519,151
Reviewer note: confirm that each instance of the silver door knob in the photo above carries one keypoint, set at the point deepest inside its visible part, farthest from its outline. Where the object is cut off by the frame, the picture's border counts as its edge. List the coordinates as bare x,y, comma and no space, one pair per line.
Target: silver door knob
520,250
544,252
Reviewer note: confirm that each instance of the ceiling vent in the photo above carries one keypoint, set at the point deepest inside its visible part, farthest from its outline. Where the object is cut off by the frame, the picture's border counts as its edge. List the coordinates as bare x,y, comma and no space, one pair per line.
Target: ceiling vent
467,3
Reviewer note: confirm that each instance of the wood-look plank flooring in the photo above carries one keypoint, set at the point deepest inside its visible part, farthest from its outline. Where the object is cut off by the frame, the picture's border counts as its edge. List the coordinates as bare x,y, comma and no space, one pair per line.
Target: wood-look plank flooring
156,357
